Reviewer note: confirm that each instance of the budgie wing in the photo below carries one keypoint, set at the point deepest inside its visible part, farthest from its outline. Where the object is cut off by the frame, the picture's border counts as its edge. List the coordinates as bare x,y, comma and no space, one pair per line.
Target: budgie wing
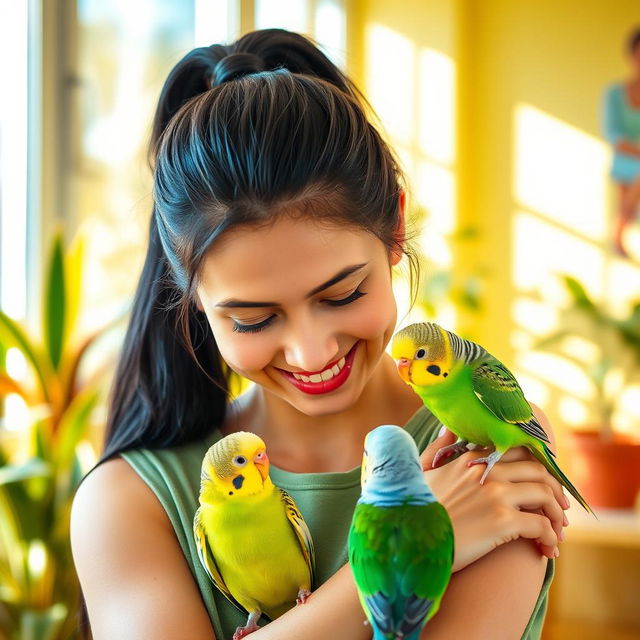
500,392
301,530
207,559
400,564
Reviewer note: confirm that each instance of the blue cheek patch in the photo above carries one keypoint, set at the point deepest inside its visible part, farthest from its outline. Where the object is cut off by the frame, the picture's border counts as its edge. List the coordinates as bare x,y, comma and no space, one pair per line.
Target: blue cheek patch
237,482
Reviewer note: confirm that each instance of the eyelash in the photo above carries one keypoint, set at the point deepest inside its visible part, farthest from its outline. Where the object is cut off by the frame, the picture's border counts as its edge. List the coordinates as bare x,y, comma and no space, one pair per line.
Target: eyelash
255,328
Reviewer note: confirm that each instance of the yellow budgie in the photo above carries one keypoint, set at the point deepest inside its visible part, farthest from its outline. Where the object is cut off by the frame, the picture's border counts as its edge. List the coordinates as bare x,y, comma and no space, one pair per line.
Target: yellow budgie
251,537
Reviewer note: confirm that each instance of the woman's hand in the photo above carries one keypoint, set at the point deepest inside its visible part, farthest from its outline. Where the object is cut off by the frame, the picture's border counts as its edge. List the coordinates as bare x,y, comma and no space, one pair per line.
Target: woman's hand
519,499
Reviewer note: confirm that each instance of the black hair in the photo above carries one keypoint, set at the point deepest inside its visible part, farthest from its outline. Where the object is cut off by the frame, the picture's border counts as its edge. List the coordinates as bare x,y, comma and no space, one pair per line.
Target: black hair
243,133
633,40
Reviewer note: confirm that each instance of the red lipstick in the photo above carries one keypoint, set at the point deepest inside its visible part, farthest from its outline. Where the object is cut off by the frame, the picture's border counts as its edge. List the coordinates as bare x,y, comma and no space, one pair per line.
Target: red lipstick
326,385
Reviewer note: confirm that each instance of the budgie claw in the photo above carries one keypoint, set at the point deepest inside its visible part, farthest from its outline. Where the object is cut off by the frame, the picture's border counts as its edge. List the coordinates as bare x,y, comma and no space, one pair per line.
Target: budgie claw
303,595
490,460
250,627
449,450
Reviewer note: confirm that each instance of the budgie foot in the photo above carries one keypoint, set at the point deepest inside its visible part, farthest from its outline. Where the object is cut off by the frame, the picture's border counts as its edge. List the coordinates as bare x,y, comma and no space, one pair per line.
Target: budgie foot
490,460
448,451
303,595
250,627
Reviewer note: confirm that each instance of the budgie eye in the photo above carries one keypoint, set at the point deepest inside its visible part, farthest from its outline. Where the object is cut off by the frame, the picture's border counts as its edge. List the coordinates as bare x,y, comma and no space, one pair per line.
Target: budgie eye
240,461
421,354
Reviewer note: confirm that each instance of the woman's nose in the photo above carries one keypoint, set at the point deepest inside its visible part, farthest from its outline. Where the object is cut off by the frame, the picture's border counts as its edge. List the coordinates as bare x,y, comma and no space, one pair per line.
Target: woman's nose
311,349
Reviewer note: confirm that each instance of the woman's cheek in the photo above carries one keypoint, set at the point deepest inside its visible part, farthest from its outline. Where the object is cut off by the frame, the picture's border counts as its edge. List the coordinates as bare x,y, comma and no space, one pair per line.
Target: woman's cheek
246,353
374,317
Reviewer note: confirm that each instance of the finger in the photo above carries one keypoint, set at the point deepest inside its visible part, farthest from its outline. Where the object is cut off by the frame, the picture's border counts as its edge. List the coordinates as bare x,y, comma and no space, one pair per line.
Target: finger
447,438
535,527
535,495
530,471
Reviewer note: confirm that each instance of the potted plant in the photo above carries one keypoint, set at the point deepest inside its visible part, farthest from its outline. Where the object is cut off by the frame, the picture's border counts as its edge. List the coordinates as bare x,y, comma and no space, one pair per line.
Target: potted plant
606,463
40,467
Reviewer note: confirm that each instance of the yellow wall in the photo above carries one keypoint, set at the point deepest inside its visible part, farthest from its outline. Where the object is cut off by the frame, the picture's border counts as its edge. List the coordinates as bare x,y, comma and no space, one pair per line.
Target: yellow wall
554,55
549,60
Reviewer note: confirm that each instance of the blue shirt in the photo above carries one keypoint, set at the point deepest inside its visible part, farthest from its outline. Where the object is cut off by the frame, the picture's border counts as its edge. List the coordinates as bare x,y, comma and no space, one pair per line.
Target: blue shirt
621,121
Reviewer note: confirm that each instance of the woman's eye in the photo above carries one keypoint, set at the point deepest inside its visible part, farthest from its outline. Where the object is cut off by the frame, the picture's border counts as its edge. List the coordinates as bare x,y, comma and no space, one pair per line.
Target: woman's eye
350,298
251,328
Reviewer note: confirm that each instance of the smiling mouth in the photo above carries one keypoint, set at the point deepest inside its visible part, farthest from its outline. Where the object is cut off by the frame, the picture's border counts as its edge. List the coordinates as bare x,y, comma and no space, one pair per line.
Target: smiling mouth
329,379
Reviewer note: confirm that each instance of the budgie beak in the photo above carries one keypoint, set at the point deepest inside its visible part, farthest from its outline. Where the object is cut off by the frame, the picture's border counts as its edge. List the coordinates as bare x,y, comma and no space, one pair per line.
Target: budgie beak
404,368
402,350
261,460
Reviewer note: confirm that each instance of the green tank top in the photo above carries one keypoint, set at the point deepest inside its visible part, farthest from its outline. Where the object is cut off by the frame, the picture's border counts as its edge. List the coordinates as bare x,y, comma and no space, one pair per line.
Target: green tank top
326,500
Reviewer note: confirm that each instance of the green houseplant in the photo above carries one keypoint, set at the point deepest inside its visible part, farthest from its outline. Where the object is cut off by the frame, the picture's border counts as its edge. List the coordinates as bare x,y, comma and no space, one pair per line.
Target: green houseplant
607,463
40,467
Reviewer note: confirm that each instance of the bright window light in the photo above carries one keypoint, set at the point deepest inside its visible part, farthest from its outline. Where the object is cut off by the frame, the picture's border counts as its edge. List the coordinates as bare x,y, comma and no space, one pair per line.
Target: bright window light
437,112
561,172
215,22
390,81
330,30
13,158
542,250
286,14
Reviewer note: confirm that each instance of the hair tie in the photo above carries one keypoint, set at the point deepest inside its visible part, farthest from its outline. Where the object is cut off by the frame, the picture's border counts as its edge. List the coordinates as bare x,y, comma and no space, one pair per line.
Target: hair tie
236,65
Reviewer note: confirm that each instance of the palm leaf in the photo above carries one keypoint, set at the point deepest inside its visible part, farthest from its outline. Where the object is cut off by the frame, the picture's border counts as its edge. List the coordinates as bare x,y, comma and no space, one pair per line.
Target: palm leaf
73,269
34,468
580,296
54,308
44,624
9,385
11,335
73,425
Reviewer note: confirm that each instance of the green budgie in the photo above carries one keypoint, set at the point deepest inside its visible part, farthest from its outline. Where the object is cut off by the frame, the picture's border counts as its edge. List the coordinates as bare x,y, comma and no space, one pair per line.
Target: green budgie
474,395
401,540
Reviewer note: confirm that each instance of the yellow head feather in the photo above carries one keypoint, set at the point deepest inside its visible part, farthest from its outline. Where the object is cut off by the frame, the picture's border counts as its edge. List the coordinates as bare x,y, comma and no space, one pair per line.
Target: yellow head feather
424,354
234,467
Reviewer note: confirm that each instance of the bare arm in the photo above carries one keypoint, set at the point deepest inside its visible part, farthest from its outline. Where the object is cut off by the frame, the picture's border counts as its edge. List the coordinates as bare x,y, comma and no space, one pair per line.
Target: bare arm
134,577
492,597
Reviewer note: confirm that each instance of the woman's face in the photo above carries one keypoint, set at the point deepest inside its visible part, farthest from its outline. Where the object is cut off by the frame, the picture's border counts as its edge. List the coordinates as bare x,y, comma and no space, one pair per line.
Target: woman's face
302,309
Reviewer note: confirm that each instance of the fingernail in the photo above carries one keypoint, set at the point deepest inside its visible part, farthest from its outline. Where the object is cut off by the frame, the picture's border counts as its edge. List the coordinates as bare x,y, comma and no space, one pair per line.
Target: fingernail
442,431
567,504
561,535
556,552
565,520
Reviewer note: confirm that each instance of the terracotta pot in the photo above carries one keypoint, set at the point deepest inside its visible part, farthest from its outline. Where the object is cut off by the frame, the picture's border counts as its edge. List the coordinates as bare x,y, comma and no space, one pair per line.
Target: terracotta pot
607,474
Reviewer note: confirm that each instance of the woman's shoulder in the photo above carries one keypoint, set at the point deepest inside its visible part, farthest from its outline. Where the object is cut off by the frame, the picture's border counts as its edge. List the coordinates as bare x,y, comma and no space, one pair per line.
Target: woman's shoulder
100,495
127,558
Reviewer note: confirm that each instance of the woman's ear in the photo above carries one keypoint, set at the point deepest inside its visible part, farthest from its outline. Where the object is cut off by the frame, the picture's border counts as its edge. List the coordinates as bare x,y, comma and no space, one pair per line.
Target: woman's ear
398,236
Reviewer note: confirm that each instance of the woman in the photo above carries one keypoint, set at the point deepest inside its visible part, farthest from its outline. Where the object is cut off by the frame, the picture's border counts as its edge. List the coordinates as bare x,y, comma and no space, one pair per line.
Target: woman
622,129
278,216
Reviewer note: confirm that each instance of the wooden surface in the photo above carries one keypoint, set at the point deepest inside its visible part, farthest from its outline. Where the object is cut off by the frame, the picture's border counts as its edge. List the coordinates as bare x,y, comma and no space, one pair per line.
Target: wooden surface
596,592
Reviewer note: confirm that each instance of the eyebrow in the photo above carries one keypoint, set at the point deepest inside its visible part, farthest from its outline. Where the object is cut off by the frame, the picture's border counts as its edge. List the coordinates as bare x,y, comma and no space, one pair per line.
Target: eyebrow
341,275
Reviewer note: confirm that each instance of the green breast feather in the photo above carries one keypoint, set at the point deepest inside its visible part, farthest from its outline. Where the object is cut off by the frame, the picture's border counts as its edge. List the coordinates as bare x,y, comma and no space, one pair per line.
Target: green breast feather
398,554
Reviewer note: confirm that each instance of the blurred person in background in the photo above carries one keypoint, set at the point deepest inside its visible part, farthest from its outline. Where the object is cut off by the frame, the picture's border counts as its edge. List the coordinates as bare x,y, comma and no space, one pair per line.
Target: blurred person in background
621,123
